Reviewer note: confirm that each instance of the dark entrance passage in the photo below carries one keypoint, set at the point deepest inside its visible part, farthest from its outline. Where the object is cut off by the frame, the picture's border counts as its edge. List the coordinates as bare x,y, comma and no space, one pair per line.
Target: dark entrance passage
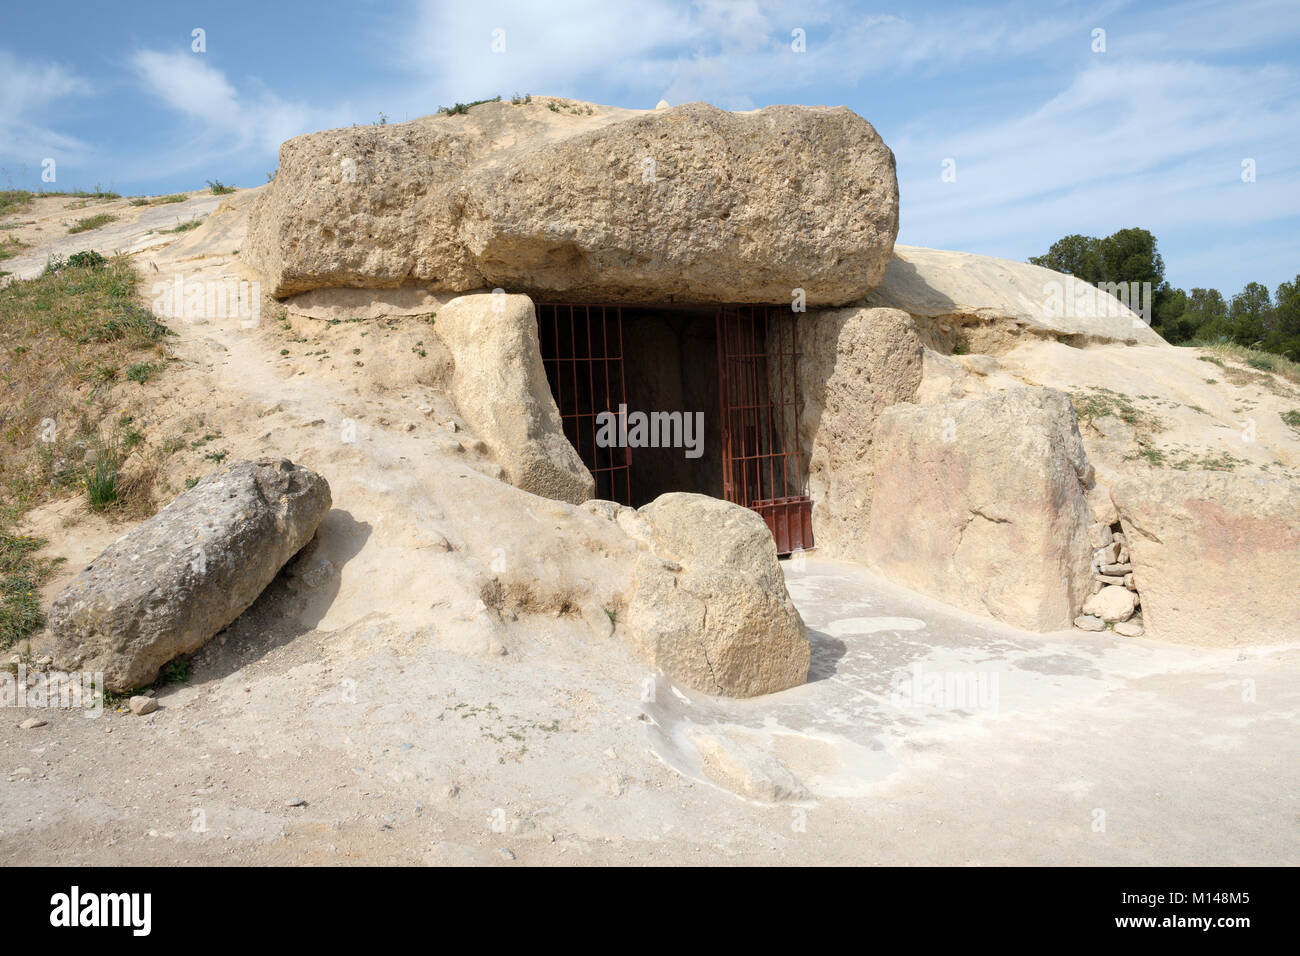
724,379
672,368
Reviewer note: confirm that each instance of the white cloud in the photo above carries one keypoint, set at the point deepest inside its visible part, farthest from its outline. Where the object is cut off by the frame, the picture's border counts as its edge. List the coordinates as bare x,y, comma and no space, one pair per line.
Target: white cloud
1156,144
1207,27
27,90
185,82
729,53
547,49
225,122
739,50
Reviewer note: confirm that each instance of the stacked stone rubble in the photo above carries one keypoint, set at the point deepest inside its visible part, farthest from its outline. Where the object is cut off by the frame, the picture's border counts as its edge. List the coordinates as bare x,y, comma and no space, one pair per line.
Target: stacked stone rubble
1115,601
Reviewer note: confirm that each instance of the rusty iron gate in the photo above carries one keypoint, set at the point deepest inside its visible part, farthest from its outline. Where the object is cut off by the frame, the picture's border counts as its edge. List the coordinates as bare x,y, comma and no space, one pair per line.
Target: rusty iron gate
757,352
758,396
582,351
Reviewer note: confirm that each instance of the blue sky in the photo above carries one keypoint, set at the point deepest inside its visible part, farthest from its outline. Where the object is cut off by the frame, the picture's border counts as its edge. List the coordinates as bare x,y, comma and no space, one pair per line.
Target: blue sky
1048,134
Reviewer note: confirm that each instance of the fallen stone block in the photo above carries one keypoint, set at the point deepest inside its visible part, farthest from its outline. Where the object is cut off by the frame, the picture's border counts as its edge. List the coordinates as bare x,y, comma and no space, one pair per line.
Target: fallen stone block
172,582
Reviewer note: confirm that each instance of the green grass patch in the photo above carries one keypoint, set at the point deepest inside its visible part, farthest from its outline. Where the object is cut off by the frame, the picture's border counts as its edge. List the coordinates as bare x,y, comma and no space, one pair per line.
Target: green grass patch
141,372
95,193
21,577
1152,456
1292,418
68,337
82,299
1220,462
91,222
158,200
184,226
176,671
13,201
219,188
10,247
1095,403
103,480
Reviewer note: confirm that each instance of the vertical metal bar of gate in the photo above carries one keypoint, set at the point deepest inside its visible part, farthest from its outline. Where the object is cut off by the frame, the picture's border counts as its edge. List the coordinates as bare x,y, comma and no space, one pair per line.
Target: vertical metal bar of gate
578,396
757,382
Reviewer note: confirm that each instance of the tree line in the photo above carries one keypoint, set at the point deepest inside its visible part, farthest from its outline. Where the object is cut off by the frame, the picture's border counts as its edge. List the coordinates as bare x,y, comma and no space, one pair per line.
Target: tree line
1254,317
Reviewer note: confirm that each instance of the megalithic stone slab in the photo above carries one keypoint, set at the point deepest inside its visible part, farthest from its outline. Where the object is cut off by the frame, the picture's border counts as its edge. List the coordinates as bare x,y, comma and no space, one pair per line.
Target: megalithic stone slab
584,202
172,582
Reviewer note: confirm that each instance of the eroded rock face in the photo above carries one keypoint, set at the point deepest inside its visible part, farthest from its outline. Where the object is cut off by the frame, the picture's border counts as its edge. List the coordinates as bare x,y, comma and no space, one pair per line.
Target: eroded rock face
854,363
708,602
690,204
172,582
500,389
1215,555
981,503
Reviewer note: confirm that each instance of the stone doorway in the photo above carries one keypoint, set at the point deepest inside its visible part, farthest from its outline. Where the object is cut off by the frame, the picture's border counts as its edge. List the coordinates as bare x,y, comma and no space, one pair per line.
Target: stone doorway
704,399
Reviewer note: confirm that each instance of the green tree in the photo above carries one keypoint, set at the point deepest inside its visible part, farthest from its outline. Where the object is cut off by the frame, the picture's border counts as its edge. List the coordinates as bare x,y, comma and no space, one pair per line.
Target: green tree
1074,255
1129,255
1170,317
1252,317
1205,317
1250,314
1284,336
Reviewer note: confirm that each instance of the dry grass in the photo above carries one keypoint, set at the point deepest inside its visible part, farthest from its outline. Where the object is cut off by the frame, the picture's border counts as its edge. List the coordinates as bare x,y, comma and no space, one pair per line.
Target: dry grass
65,336
1252,359
1096,402
14,201
10,247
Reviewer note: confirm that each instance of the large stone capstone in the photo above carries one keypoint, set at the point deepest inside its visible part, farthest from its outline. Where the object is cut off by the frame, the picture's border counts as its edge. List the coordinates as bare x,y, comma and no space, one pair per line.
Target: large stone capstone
587,202
172,582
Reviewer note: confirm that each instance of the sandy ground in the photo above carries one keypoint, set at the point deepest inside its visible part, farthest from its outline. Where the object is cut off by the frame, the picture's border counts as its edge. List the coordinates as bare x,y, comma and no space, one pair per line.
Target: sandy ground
1084,749
403,741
